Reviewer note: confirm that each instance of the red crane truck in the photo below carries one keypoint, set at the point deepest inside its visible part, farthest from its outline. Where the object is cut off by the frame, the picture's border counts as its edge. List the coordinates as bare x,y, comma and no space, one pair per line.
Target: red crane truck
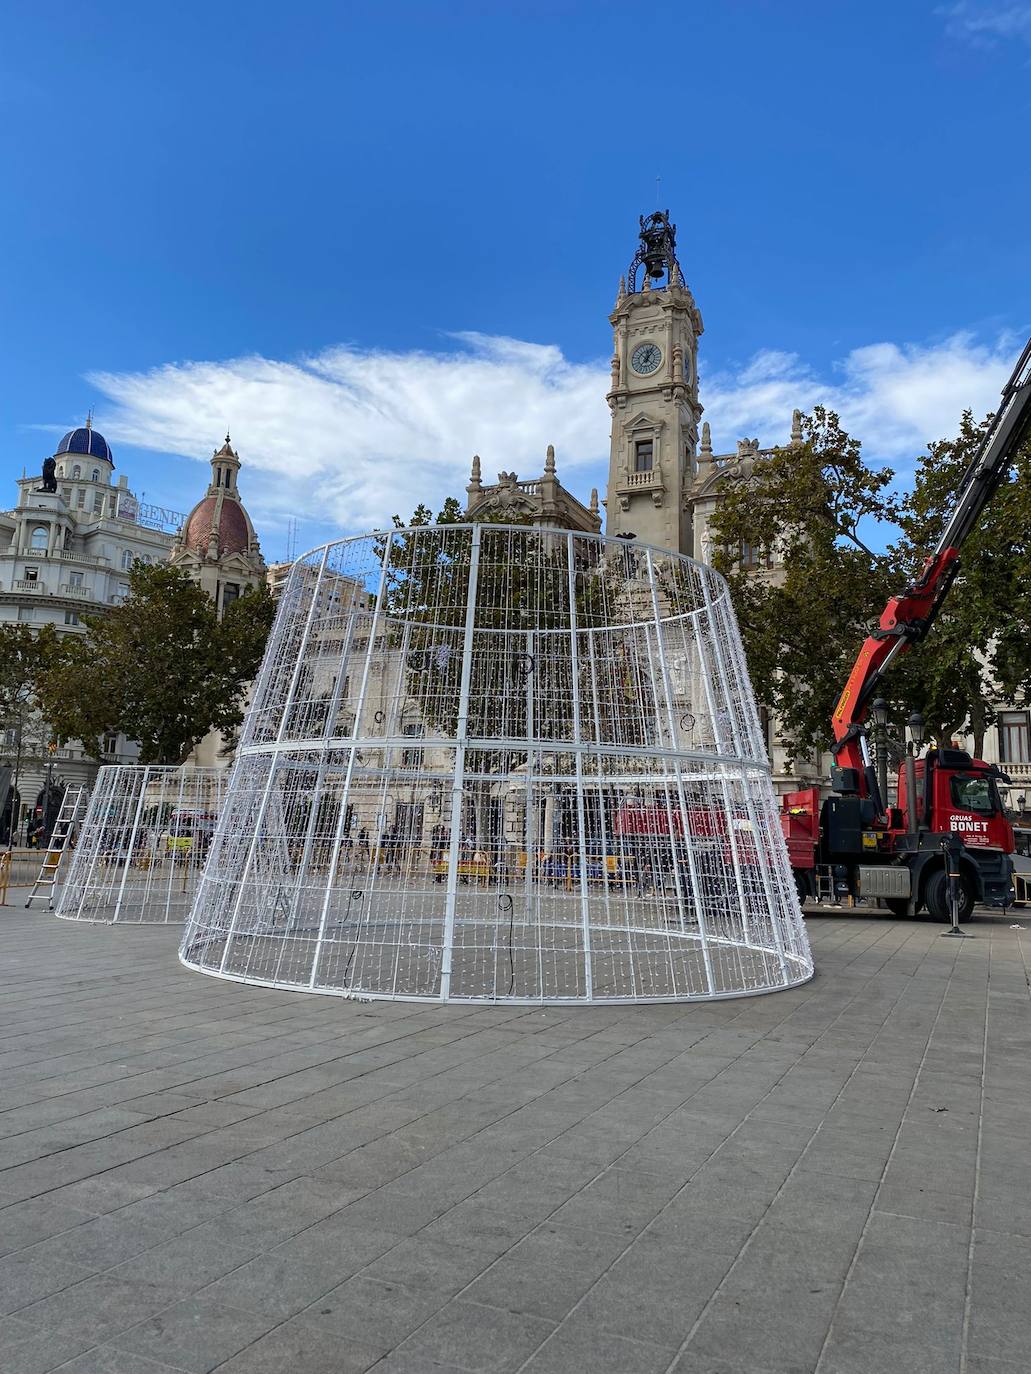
854,844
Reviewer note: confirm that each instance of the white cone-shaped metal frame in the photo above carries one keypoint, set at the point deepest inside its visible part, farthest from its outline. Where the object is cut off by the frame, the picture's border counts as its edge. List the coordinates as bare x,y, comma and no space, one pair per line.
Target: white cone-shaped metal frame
142,845
487,763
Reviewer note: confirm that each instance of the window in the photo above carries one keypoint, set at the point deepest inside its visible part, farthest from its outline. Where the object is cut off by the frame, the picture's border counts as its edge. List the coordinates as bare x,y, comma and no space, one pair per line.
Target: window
126,560
110,744
31,574
765,724
76,471
1014,737
412,758
40,537
75,579
80,498
96,475
26,613
123,589
750,556
112,506
98,503
71,617
230,593
643,453
66,495
974,792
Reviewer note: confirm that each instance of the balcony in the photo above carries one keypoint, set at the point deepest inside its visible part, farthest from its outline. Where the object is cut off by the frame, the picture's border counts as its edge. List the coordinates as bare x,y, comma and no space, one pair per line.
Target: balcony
70,556
77,590
28,584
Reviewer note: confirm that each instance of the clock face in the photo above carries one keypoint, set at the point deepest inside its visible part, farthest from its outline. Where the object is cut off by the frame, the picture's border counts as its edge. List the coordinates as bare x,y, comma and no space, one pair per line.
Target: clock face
646,358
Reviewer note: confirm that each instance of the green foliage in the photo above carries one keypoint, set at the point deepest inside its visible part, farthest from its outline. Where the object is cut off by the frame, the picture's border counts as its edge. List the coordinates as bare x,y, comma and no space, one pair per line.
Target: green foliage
803,621
980,646
161,668
23,652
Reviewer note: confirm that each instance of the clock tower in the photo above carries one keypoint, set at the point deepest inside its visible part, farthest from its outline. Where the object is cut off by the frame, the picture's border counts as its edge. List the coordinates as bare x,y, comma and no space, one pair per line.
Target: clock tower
654,395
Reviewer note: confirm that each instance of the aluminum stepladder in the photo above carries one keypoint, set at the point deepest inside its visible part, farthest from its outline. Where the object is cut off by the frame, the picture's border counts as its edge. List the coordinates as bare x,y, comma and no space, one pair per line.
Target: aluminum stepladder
72,809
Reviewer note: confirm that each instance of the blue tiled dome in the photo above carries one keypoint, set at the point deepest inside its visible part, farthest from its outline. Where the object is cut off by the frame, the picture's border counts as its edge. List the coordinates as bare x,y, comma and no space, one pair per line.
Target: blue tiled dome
85,441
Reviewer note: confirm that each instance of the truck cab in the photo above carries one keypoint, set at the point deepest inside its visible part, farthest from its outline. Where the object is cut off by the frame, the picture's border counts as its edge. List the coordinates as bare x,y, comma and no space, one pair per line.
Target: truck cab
959,795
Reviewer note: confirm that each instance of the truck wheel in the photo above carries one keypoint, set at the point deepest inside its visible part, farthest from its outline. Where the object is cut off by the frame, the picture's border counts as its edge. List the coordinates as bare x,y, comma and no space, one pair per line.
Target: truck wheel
936,897
898,906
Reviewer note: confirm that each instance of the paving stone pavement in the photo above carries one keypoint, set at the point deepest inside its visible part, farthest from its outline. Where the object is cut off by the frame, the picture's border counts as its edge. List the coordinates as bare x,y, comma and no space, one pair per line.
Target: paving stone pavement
197,1175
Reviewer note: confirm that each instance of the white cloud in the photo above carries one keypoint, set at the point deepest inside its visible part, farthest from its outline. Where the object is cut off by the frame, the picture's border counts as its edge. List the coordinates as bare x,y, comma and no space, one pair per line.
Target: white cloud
894,398
987,24
346,437
350,436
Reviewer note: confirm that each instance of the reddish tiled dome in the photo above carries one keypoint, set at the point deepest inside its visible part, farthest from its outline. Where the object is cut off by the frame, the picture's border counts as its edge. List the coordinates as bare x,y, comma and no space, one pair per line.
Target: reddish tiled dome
233,534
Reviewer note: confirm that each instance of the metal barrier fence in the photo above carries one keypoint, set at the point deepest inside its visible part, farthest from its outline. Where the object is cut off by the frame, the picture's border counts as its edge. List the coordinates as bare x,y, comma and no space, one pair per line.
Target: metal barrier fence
142,844
495,763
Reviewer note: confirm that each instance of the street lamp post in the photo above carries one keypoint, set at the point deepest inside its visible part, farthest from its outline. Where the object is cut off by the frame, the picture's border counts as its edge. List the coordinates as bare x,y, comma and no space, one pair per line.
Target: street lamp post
916,739
879,710
21,697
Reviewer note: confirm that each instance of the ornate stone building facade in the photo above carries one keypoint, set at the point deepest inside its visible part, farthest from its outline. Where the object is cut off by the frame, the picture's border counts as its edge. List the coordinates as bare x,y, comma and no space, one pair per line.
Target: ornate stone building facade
66,550
664,479
218,548
653,397
543,500
217,545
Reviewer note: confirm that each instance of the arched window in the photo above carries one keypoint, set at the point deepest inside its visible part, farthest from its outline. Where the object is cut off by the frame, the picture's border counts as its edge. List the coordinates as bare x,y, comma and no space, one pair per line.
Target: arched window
96,475
127,560
40,537
76,471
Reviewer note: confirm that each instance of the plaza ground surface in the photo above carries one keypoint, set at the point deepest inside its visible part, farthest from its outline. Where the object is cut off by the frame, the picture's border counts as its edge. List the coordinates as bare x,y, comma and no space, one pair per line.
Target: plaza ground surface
198,1175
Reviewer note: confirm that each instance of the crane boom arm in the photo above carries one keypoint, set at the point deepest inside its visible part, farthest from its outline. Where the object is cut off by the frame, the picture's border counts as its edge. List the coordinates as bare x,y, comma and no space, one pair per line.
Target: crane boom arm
907,618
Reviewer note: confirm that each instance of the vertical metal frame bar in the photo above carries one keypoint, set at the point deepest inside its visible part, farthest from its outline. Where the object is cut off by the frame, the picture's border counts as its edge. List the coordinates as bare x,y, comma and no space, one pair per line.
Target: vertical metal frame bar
370,649
458,787
273,761
574,662
667,687
132,844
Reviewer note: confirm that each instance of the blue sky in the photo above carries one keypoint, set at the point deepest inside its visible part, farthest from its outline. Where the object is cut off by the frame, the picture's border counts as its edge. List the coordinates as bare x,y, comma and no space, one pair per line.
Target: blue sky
372,240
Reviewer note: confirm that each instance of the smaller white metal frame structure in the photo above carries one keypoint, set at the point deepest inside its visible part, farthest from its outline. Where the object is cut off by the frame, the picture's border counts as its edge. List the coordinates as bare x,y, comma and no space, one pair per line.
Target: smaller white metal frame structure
141,846
488,763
